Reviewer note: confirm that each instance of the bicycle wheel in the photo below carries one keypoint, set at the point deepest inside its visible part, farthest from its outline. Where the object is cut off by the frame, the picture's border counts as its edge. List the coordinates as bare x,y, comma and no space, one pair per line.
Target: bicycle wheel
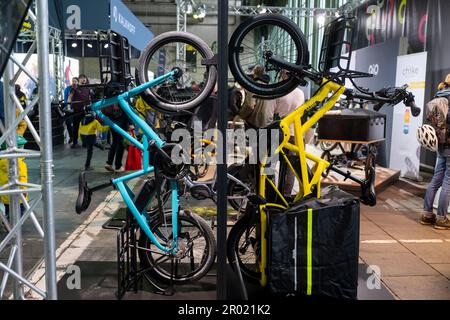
327,146
196,255
171,50
259,35
243,244
237,193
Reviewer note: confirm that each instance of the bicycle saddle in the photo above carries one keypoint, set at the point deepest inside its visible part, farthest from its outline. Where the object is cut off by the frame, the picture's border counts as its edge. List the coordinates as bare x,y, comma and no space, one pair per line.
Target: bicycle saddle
84,194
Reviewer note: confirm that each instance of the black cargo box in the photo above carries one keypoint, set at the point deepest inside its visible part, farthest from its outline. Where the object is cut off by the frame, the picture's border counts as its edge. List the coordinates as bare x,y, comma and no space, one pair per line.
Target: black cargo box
353,125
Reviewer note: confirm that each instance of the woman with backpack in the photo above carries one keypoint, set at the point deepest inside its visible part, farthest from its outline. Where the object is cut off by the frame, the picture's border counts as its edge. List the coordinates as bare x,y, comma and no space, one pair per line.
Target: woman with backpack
437,116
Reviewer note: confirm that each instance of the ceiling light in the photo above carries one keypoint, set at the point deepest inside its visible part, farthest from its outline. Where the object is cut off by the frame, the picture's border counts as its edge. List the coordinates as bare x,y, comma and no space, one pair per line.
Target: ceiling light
74,45
89,45
321,19
106,46
79,33
260,9
200,12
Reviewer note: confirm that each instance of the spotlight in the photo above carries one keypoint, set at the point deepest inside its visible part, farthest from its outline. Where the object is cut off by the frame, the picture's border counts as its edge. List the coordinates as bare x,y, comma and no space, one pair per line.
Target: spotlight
200,12
189,8
74,45
89,45
79,33
106,46
261,10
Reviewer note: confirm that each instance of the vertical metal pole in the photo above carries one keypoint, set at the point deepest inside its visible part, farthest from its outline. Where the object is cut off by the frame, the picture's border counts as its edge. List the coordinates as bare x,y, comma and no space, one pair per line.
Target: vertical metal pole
222,167
45,125
13,175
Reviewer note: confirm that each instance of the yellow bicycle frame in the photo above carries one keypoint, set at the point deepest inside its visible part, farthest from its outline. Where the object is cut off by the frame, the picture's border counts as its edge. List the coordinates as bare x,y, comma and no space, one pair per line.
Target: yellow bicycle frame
326,96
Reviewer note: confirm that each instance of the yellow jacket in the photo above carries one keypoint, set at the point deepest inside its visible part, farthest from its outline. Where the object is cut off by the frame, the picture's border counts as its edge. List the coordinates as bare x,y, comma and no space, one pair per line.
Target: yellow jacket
23,175
143,107
90,129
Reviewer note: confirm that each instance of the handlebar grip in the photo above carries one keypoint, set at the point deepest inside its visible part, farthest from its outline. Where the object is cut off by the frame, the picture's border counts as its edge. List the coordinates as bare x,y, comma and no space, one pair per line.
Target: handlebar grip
415,111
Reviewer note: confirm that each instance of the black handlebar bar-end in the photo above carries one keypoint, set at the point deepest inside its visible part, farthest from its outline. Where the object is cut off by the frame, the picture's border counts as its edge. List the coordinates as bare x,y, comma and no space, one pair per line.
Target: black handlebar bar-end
414,109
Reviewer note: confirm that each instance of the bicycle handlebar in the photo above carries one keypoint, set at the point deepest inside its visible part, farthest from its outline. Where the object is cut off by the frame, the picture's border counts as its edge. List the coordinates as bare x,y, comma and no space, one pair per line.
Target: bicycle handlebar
384,96
391,96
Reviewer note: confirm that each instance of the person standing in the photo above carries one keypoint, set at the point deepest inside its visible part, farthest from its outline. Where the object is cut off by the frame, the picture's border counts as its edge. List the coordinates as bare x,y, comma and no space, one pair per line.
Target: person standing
79,98
283,107
89,128
439,118
117,149
257,112
22,126
68,108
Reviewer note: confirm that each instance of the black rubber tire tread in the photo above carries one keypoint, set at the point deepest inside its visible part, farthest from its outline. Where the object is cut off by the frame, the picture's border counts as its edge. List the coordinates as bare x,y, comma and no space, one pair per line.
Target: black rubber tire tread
144,242
152,47
232,244
257,88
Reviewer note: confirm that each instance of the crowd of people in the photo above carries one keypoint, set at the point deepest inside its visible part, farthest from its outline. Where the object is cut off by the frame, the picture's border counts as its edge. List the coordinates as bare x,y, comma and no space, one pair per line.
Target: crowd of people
86,128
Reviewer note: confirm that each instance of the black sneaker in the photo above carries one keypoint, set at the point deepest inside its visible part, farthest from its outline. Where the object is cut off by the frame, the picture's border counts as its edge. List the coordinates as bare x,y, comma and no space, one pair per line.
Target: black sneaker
427,220
442,224
109,168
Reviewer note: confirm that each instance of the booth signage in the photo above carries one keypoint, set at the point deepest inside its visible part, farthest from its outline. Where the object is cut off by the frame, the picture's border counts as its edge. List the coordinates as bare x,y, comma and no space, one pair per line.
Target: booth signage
377,60
85,14
405,150
100,15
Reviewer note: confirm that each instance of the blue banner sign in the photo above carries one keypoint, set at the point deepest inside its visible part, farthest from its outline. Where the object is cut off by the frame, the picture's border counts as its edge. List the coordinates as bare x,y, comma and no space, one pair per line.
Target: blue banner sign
124,22
99,15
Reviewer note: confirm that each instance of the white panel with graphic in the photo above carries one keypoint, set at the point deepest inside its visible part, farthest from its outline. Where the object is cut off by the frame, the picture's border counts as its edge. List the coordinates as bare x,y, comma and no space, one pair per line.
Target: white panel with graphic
405,150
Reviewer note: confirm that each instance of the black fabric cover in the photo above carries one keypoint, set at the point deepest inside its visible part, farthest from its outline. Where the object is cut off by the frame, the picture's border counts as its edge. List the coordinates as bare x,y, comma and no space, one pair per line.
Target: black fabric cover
335,247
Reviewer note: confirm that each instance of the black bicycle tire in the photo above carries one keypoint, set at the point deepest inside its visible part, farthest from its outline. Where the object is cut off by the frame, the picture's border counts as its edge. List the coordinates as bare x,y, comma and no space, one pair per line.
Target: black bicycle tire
260,89
324,148
152,47
146,264
232,244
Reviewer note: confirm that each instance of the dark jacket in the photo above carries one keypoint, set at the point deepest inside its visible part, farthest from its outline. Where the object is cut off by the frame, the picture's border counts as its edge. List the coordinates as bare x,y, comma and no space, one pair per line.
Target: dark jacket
81,97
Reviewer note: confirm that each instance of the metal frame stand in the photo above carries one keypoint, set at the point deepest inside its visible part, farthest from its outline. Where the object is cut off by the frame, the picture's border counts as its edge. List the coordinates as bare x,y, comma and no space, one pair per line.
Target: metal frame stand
18,190
129,275
222,218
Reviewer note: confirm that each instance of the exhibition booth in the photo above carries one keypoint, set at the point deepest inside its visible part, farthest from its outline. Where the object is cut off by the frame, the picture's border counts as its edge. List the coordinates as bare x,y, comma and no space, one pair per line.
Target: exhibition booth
180,219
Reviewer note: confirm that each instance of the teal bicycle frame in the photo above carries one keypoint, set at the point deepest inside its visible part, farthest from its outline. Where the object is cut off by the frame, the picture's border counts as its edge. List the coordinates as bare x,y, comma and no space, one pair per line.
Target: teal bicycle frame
148,135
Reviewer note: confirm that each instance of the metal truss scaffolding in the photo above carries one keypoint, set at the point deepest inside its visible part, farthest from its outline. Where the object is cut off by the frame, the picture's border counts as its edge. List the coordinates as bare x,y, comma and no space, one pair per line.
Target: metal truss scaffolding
26,194
56,48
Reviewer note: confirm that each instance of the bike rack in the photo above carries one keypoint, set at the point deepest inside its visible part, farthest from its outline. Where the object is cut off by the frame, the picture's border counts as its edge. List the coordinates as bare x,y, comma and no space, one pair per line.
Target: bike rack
130,277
